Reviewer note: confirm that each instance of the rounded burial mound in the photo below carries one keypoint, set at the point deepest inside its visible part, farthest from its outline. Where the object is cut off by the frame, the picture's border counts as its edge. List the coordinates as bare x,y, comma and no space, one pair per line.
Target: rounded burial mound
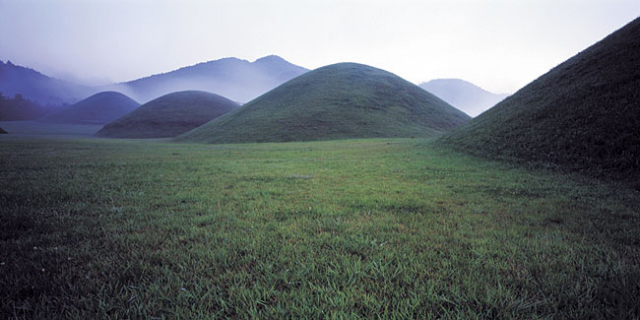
583,115
339,101
169,115
100,108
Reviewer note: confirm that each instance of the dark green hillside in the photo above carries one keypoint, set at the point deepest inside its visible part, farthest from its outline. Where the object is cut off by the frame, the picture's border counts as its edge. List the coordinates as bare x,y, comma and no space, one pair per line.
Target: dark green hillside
169,115
582,115
2,131
100,108
339,101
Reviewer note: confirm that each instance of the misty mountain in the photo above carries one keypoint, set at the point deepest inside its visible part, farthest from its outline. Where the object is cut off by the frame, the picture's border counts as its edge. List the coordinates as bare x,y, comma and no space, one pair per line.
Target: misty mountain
37,87
240,80
236,79
463,95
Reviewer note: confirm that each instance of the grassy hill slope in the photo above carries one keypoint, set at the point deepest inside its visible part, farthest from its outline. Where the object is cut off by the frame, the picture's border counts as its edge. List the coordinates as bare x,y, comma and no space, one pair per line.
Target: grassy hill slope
339,101
169,115
583,115
2,131
100,108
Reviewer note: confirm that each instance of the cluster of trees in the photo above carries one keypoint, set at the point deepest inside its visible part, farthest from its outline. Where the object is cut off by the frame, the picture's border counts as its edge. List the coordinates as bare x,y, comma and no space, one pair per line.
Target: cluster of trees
21,108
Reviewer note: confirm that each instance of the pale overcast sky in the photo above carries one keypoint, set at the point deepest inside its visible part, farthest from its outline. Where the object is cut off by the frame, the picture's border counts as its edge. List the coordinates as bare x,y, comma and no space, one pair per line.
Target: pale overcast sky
500,45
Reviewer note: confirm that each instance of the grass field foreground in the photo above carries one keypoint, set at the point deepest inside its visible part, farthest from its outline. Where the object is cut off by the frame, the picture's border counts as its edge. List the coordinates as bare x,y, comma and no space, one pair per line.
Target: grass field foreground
359,228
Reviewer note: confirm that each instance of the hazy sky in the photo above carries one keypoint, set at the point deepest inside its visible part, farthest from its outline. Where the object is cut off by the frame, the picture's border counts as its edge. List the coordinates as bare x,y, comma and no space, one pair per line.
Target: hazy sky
500,45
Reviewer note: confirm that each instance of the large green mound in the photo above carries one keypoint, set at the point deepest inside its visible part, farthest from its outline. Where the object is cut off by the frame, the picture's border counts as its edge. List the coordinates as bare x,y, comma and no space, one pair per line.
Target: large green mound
339,101
99,108
169,115
583,115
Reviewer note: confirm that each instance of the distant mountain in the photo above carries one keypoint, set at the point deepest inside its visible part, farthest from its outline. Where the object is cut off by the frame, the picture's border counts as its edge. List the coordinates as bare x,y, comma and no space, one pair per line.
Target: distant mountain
239,80
37,87
340,101
169,115
463,95
100,108
236,79
582,115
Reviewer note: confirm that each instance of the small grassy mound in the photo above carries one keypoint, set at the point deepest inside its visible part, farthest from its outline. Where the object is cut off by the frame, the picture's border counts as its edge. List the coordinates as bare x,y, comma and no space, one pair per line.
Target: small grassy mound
100,108
340,101
169,115
583,115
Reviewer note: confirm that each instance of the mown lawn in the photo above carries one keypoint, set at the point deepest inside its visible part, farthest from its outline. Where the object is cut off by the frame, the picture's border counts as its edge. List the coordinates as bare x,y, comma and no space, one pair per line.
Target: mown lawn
360,228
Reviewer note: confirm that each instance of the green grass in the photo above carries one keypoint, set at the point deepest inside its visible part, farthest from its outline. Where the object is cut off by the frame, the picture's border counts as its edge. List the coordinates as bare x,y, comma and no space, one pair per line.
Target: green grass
355,228
169,115
340,101
583,115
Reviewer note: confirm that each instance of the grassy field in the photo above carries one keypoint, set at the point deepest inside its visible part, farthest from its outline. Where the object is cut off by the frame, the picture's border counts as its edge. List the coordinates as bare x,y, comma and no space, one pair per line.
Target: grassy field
356,228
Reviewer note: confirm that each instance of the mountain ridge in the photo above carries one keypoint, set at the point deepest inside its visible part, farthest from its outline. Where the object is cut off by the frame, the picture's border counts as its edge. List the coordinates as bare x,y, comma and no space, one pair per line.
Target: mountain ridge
231,77
235,78
43,89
